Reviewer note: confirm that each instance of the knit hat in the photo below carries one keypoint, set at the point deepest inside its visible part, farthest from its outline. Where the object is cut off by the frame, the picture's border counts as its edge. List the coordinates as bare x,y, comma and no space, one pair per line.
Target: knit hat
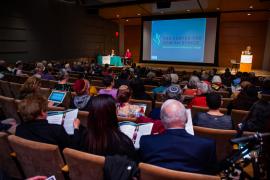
79,86
173,92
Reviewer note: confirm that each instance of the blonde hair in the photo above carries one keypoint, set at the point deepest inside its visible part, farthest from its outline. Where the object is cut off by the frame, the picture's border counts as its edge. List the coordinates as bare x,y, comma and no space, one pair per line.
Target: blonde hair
30,85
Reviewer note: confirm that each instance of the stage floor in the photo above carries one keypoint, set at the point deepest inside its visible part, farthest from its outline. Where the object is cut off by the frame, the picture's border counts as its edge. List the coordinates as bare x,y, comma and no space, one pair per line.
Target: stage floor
197,68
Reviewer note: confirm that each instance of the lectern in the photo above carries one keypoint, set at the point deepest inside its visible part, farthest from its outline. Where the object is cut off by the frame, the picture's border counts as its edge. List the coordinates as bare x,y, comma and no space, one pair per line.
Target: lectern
246,62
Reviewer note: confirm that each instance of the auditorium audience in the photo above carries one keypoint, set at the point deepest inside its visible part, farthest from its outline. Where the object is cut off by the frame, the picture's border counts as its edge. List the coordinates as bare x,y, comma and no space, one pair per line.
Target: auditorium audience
33,110
39,70
103,136
18,69
213,118
191,88
149,79
258,119
175,148
82,99
108,82
48,74
63,84
216,84
123,78
30,87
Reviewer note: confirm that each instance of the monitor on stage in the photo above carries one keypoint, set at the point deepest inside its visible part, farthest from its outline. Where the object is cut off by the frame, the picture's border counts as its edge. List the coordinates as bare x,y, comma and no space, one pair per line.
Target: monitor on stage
185,40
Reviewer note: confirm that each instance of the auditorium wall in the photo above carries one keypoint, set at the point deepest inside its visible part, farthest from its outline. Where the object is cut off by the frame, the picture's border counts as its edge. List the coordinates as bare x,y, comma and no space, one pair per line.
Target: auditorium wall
52,29
234,36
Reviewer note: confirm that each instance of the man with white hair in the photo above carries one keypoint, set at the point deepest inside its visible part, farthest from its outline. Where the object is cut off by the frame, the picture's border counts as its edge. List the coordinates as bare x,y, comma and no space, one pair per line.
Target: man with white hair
175,148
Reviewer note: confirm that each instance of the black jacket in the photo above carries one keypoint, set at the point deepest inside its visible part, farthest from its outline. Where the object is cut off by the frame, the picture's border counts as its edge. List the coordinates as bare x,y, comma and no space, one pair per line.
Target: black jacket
42,131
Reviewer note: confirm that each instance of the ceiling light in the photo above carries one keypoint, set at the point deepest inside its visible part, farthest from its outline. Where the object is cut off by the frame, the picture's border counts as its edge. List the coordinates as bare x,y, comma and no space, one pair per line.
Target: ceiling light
250,7
161,12
127,20
249,14
217,8
138,14
117,15
187,10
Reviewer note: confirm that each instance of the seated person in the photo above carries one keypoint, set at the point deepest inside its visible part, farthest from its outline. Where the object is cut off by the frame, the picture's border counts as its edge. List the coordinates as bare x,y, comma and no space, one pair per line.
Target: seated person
217,83
258,119
150,79
176,149
213,118
266,87
31,86
165,83
191,88
200,98
138,90
108,83
63,78
82,98
33,110
104,136
124,108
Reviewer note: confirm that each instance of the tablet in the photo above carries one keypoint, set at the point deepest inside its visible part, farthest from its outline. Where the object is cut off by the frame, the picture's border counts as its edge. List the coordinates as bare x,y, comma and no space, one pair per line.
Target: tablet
57,96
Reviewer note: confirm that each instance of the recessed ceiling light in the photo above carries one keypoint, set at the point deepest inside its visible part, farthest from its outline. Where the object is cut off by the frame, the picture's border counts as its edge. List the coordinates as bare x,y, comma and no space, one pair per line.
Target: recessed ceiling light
249,14
217,8
187,10
127,20
161,12
250,7
117,15
138,14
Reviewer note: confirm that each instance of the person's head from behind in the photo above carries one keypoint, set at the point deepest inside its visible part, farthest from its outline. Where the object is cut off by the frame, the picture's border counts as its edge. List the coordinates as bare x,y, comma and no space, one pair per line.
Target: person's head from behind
63,75
202,88
108,81
31,85
213,101
80,87
251,91
166,80
173,114
33,107
102,123
123,94
173,92
137,86
192,83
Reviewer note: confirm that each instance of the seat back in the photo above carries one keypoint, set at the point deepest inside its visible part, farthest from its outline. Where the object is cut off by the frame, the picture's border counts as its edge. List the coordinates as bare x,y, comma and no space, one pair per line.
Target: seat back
83,117
150,172
238,116
265,97
37,158
120,119
97,83
149,87
6,162
9,108
84,166
147,102
222,138
15,89
5,89
197,109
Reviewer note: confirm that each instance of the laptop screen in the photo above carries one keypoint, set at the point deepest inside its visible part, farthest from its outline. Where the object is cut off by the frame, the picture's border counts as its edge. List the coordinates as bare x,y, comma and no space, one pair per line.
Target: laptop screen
57,96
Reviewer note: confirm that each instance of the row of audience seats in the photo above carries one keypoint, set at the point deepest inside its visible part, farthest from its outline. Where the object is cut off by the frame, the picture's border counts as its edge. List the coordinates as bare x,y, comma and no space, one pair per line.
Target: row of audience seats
23,158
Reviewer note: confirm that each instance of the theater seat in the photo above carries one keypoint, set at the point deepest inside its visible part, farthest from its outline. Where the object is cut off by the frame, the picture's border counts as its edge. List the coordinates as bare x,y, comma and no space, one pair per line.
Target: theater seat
222,138
265,97
37,158
15,89
83,117
5,89
150,172
9,108
84,166
6,162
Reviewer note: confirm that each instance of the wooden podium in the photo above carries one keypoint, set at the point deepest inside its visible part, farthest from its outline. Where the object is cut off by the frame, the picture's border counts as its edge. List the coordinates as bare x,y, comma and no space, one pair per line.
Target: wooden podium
246,63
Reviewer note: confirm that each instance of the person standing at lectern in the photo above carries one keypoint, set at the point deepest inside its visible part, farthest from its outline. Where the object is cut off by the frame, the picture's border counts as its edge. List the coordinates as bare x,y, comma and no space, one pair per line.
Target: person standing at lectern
247,51
127,56
112,53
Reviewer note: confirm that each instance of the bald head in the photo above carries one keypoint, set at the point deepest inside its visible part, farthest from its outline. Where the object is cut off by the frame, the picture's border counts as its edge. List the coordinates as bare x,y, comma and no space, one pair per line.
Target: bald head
173,114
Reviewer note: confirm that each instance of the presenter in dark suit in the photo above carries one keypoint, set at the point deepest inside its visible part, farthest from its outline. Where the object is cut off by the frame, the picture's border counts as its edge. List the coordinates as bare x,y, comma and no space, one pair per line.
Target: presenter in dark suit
176,149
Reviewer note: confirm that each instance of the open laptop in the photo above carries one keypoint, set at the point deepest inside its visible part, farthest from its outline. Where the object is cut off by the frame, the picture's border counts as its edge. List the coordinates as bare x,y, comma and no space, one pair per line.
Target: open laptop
57,97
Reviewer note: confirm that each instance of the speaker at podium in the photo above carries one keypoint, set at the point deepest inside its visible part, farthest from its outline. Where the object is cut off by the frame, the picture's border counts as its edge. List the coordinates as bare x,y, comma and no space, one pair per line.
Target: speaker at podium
246,60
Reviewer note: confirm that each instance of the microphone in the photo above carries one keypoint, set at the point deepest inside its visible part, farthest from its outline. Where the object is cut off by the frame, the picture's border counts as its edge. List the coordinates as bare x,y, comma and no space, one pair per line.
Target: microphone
255,137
